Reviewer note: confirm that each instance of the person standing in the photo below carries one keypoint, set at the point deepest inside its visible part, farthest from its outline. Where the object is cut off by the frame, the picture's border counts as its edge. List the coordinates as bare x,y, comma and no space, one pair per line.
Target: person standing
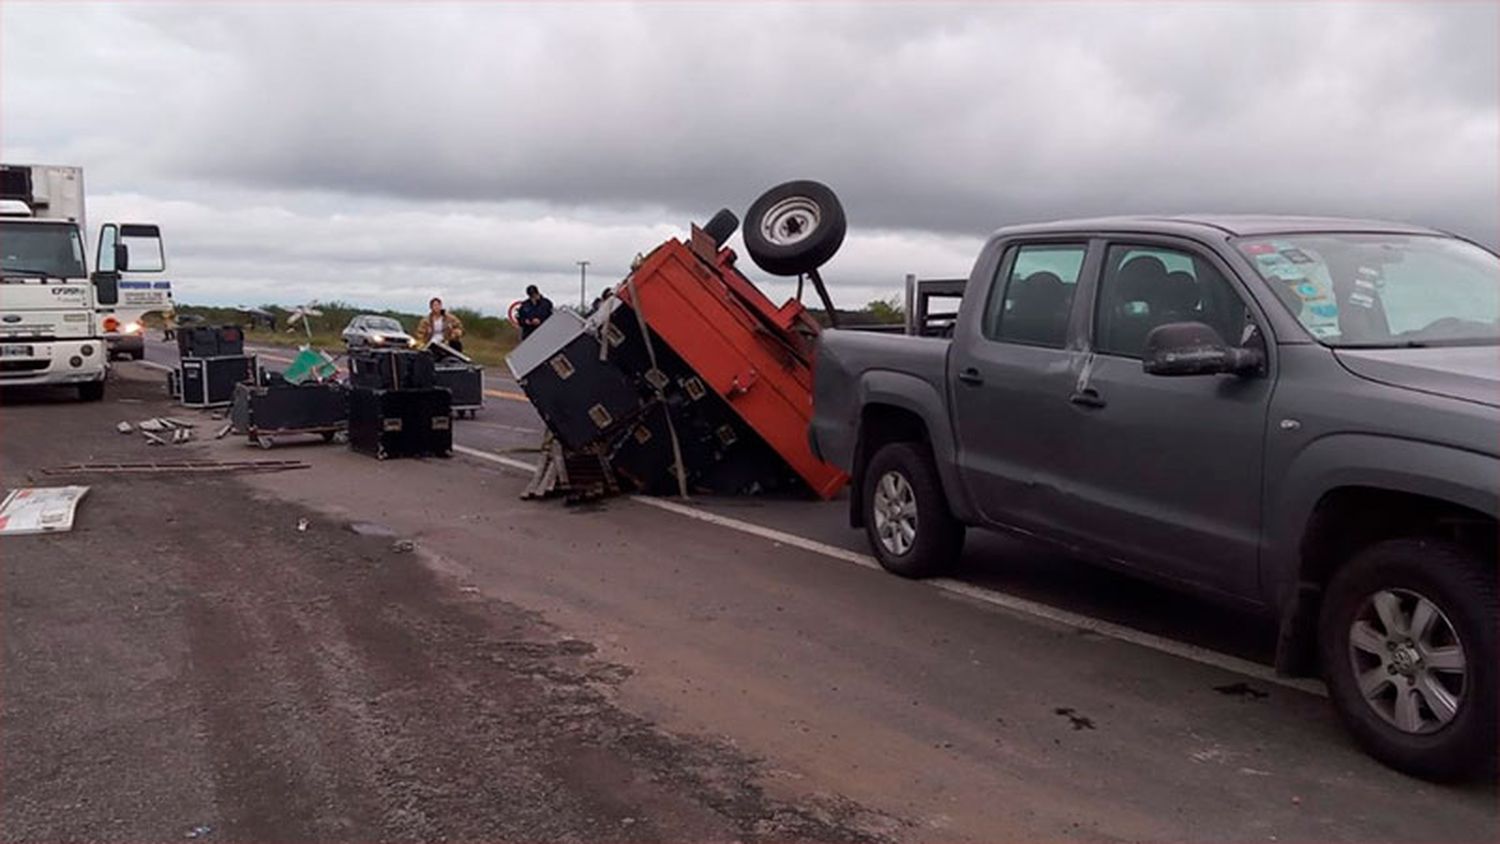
441,326
534,311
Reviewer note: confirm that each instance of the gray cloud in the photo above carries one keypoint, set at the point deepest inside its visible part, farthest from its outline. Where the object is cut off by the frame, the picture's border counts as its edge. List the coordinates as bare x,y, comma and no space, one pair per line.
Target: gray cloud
935,122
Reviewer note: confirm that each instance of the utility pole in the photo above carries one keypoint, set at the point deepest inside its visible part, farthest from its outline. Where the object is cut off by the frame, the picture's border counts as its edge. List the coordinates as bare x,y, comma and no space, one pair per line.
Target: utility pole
583,285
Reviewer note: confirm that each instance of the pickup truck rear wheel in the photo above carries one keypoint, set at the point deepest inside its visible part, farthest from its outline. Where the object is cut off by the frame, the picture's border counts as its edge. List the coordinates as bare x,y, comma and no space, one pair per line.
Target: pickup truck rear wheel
1407,639
907,520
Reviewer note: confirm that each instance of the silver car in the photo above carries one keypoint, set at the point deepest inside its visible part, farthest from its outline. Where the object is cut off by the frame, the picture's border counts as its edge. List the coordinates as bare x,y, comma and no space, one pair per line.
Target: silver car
375,331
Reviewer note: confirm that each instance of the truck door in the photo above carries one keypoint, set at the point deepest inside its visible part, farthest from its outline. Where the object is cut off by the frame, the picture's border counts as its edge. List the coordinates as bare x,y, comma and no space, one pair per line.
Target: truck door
1164,473
122,251
1012,369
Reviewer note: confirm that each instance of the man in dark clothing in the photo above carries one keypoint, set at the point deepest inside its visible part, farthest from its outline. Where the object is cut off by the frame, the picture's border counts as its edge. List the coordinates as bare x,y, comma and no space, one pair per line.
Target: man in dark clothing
534,311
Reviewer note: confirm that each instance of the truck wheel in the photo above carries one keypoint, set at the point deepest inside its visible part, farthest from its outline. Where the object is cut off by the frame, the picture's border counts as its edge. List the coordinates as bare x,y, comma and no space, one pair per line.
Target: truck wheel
139,354
794,228
91,391
1407,641
906,515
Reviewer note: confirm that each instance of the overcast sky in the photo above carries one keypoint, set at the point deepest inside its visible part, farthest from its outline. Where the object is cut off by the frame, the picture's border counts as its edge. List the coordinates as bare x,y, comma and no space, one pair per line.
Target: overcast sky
380,153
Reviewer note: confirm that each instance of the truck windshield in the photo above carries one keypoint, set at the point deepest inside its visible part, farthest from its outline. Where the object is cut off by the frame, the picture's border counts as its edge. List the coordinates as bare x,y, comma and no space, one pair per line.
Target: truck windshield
385,324
40,250
1383,291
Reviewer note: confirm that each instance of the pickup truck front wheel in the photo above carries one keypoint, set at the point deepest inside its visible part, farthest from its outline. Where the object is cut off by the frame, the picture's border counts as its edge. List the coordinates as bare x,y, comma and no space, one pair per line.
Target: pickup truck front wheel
907,520
1407,639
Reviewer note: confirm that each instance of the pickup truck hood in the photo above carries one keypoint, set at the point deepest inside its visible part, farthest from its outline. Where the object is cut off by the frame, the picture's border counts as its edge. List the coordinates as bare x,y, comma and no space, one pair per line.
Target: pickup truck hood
1468,373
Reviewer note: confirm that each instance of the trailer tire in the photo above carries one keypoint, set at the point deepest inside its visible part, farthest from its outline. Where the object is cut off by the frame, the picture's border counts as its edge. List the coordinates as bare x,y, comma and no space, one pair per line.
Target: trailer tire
794,228
907,521
722,226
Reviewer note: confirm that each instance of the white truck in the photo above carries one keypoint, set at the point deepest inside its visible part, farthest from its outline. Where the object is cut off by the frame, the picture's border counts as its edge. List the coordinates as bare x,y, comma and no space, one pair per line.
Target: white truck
54,314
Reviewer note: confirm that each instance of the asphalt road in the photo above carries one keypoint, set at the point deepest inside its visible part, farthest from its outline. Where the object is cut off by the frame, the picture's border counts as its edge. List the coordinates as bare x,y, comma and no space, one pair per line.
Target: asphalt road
1020,701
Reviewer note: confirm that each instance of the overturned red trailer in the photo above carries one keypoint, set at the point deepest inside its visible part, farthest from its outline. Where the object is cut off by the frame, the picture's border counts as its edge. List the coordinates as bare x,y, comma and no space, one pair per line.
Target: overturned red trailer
686,377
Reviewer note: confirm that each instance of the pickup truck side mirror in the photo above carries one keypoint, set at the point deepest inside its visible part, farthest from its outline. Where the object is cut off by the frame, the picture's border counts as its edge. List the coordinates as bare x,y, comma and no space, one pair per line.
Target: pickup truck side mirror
1192,348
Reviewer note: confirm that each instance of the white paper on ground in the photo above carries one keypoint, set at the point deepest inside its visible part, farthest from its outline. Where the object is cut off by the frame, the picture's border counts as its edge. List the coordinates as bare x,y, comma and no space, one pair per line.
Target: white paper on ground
40,509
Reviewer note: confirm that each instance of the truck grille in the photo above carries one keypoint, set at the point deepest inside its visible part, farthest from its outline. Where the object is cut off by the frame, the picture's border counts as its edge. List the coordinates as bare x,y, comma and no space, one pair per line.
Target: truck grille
17,367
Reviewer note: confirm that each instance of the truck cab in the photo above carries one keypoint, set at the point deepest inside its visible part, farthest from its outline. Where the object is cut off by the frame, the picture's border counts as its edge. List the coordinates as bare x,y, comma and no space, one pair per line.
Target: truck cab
51,330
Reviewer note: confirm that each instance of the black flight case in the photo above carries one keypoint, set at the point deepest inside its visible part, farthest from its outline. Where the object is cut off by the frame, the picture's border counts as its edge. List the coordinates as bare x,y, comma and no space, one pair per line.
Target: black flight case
210,382
276,409
414,422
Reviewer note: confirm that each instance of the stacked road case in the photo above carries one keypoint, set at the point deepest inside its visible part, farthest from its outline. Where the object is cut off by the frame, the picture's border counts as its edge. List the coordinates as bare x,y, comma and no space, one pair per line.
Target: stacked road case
212,362
396,408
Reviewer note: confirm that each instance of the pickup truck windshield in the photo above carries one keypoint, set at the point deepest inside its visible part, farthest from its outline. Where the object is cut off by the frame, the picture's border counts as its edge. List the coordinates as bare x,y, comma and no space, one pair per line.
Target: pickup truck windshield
40,250
1373,291
383,324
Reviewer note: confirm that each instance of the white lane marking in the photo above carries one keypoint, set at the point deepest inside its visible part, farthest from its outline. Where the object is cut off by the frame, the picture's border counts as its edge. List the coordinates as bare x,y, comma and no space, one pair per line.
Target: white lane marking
495,458
1195,653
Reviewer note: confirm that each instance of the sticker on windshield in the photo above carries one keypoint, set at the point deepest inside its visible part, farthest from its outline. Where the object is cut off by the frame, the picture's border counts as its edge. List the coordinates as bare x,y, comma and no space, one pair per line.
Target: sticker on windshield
1362,300
1257,248
1296,256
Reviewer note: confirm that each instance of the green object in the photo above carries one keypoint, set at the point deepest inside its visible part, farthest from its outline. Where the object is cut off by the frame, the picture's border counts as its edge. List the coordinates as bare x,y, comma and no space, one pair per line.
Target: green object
310,364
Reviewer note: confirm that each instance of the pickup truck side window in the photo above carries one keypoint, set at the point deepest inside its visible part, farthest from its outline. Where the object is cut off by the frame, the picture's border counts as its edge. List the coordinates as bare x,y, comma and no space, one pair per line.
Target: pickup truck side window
1147,286
1032,305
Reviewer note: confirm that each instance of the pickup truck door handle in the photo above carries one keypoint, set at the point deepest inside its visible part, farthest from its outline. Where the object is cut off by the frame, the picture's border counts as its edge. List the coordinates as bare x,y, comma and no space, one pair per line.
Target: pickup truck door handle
970,376
1087,397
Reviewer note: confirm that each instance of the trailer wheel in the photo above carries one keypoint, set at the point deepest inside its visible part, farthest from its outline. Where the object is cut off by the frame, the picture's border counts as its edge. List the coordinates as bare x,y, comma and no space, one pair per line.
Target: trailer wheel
722,226
794,228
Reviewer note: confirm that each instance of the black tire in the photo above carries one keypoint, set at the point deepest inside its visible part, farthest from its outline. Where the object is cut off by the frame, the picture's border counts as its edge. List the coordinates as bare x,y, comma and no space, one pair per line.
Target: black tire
938,536
328,436
139,354
722,227
794,228
1461,584
91,391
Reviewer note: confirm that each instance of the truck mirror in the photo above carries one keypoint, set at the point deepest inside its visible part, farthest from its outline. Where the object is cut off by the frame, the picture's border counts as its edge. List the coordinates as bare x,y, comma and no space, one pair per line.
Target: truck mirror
1193,348
122,258
107,288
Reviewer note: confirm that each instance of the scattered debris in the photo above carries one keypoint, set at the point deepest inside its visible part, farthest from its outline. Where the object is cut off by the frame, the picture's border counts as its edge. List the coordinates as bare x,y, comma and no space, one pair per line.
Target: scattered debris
1252,772
469,590
579,476
371,529
199,831
152,439
1296,801
153,425
181,435
199,466
40,509
124,428
224,432
302,524
1079,722
173,420
403,546
1242,689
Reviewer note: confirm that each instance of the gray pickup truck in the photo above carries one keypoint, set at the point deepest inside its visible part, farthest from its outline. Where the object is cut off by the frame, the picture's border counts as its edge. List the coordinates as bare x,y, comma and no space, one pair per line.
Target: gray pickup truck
1297,415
